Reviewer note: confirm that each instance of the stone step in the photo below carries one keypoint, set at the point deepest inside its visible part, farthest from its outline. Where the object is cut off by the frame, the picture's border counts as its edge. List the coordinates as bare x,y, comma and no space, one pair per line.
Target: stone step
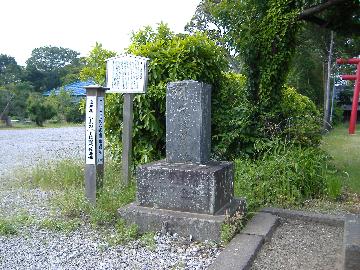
352,242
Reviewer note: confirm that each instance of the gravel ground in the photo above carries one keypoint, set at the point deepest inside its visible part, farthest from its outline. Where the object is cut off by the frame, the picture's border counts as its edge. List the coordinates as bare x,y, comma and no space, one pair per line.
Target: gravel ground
34,248
302,246
26,147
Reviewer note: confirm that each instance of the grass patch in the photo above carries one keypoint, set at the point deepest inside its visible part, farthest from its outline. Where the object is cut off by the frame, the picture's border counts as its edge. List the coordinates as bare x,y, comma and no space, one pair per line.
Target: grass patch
123,233
68,174
345,150
7,227
60,225
286,176
66,179
11,225
148,240
232,226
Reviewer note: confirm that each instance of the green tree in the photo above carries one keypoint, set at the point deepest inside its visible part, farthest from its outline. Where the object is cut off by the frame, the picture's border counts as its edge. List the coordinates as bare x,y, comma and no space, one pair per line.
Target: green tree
95,64
265,48
49,58
13,92
65,107
47,65
71,72
10,71
62,103
39,109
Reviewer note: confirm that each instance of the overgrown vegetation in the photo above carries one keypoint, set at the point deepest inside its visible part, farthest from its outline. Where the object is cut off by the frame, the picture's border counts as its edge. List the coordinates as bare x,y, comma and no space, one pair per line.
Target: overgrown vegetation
235,130
286,175
66,180
10,225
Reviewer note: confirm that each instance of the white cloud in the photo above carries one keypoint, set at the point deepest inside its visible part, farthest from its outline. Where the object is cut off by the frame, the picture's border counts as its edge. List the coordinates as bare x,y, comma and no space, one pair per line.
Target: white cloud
78,24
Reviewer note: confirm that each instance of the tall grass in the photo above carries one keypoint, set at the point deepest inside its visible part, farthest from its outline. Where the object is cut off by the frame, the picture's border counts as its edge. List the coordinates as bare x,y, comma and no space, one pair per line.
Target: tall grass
66,179
285,176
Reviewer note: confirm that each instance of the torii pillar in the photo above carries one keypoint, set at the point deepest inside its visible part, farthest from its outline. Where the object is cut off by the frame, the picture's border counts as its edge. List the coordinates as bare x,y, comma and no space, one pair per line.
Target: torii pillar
356,78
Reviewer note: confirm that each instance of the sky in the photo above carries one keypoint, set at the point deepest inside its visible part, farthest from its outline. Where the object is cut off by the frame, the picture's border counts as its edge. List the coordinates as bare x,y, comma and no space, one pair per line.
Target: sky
79,24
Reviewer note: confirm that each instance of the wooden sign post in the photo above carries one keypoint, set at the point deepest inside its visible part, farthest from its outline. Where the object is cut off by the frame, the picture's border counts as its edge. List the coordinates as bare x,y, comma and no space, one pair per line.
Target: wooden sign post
127,74
94,140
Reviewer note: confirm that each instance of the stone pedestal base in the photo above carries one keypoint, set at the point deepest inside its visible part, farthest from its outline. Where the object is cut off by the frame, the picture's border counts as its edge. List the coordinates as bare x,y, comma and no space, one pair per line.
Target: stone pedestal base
200,226
196,188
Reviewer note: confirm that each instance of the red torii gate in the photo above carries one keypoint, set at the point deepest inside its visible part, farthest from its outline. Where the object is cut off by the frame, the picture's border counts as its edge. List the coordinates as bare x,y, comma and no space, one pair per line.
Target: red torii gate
356,78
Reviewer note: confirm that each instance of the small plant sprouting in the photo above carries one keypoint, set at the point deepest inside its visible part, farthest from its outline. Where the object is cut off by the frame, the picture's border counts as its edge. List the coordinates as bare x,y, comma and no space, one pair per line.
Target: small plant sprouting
148,240
7,227
231,226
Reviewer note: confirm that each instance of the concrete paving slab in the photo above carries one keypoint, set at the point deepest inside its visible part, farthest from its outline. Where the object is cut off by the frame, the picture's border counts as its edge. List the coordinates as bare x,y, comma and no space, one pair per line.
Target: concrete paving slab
239,254
352,242
262,224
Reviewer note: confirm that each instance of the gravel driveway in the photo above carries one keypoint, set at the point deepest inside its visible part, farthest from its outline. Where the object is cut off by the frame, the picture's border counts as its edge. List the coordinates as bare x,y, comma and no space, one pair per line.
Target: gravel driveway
26,147
34,248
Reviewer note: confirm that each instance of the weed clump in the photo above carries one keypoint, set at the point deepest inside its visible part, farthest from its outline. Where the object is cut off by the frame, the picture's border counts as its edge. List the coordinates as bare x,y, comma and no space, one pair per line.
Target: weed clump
286,175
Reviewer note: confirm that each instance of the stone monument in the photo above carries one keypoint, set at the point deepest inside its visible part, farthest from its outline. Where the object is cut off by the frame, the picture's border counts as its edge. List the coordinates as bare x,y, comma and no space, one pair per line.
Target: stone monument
187,193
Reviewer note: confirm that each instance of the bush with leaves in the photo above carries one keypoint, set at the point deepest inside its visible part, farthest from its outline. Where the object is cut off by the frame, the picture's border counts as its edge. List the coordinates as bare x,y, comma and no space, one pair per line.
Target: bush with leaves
194,57
66,108
39,109
284,175
295,118
172,58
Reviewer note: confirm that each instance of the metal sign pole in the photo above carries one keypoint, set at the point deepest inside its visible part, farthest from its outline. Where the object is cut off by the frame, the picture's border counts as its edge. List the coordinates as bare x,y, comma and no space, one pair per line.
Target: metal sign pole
94,141
127,138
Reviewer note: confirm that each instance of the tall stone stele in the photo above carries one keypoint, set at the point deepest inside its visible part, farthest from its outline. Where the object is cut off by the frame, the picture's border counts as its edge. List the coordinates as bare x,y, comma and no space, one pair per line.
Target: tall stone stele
187,193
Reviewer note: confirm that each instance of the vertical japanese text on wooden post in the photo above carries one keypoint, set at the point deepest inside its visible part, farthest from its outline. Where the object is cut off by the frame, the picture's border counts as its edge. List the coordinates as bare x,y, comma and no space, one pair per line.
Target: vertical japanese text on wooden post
90,123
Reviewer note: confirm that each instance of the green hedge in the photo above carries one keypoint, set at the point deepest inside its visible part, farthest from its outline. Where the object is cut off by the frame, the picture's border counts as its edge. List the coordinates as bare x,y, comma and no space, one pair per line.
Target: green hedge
236,129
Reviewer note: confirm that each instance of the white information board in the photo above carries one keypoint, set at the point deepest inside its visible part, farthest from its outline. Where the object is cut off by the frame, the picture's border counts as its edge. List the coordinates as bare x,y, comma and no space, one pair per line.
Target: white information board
127,74
100,131
90,123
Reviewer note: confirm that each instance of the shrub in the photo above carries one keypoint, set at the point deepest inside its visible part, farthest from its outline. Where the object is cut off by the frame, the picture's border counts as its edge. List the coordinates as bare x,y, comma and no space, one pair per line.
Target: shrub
285,175
236,128
338,115
232,118
172,58
302,119
39,109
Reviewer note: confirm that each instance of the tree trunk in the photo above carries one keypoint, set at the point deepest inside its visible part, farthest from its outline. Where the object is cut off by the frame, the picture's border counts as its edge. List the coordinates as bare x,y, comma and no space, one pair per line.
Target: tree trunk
326,121
4,114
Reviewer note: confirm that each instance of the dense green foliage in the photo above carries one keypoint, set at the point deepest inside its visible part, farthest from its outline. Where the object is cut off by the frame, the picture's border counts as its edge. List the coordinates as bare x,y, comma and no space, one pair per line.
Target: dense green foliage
51,58
66,108
95,64
265,47
234,131
39,109
285,175
301,119
47,68
10,71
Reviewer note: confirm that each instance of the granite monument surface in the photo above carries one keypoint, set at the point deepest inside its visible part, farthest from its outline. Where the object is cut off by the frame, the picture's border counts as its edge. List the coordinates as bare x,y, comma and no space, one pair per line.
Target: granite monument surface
186,193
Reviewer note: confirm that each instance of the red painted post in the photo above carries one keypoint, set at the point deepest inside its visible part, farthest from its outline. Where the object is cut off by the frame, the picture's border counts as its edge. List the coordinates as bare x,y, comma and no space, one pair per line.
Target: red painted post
348,77
356,78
